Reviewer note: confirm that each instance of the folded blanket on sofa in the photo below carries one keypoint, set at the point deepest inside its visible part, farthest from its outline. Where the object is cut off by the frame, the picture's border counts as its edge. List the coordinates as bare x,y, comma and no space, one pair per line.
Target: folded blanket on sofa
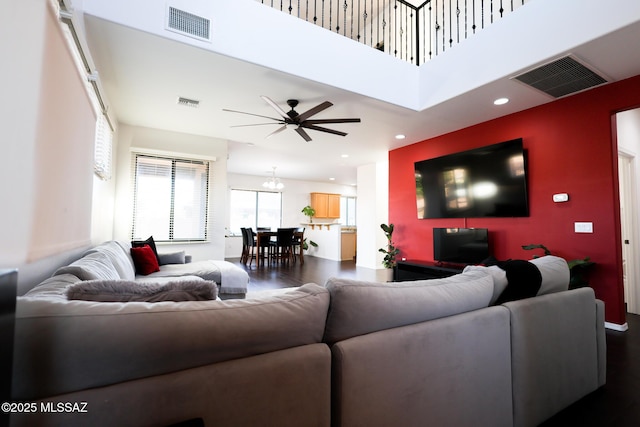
126,290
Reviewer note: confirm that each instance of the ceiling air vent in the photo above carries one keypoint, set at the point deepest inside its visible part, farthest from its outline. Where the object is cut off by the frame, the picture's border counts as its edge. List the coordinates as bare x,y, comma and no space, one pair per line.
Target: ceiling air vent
561,77
186,102
188,24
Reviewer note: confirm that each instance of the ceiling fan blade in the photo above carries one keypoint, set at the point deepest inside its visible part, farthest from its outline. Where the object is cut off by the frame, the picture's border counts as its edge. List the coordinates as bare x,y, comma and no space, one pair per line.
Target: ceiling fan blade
321,129
315,110
303,134
275,106
327,121
250,114
280,129
256,124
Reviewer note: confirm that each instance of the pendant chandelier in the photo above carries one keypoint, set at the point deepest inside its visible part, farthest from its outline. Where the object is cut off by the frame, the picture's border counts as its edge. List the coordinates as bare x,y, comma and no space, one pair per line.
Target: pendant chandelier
273,183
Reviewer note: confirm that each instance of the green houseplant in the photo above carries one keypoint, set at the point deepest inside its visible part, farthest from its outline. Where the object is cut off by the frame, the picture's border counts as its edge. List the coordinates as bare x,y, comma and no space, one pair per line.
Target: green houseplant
305,244
578,268
310,212
390,252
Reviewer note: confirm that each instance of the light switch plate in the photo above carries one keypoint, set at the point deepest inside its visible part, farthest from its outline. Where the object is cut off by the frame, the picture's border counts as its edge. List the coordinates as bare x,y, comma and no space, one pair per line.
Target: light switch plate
583,227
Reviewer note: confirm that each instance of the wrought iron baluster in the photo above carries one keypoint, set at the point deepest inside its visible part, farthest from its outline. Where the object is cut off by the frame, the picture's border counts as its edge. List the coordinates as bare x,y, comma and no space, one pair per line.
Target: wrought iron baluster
450,26
364,22
444,28
395,22
430,27
330,14
322,25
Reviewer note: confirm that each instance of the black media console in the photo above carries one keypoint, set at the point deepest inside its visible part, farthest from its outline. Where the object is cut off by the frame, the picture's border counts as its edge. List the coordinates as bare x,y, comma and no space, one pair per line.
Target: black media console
421,270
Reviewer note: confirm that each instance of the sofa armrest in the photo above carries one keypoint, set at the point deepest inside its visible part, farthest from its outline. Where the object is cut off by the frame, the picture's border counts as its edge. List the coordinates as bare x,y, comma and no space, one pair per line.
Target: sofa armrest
188,258
554,353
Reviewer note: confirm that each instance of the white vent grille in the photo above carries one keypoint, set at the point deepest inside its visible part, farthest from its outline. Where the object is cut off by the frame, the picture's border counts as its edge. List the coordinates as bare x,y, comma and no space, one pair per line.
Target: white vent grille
193,103
188,24
561,77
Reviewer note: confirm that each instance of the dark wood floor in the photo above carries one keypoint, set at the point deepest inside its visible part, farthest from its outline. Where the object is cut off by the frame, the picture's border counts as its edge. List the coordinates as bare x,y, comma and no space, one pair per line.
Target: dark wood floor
617,404
315,270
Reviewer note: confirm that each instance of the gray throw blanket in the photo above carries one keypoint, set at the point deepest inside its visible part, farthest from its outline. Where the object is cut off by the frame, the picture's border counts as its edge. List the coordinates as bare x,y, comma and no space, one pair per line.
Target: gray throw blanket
126,290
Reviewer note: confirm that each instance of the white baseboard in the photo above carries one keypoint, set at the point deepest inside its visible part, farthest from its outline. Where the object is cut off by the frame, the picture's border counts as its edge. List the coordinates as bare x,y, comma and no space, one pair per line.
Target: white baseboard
615,327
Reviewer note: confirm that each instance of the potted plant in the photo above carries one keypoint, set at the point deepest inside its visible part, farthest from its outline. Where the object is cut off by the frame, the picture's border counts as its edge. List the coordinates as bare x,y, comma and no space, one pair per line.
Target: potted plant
390,252
577,267
305,244
310,212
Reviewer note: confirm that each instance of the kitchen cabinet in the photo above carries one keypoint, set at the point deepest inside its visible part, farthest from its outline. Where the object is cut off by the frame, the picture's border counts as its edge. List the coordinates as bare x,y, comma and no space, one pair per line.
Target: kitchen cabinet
326,205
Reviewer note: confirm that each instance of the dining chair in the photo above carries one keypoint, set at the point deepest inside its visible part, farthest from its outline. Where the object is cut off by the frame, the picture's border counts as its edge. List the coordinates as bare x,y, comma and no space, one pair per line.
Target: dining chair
245,246
298,239
283,250
255,249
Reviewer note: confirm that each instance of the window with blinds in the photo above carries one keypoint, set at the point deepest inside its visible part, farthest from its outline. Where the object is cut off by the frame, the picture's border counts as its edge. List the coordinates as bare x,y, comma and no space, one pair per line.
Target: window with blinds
170,199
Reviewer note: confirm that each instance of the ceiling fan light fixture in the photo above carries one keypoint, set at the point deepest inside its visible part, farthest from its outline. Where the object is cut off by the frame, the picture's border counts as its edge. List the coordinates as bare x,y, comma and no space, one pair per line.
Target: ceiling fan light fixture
273,183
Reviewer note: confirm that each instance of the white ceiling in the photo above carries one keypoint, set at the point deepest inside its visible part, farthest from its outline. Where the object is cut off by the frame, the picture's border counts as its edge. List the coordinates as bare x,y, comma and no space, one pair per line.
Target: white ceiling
143,75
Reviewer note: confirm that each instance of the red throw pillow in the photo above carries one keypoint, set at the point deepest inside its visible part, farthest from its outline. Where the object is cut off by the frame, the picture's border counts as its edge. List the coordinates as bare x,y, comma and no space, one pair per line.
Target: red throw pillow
144,260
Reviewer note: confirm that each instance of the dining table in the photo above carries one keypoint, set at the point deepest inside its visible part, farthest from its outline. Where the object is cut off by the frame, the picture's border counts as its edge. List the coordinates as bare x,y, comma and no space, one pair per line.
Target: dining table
268,234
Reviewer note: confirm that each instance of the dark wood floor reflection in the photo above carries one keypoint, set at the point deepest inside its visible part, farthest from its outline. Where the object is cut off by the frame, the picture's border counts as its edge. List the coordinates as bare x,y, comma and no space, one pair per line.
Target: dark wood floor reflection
617,404
314,270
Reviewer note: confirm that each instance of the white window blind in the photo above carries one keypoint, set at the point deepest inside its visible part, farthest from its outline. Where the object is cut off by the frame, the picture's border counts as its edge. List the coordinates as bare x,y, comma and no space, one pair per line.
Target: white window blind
170,198
103,148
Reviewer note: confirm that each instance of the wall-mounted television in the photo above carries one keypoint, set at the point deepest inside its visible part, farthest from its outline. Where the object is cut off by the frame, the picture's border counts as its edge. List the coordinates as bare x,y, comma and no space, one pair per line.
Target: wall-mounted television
460,245
489,181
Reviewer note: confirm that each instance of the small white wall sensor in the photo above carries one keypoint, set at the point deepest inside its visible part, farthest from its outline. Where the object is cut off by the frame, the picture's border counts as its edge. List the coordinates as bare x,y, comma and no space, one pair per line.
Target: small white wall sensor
560,197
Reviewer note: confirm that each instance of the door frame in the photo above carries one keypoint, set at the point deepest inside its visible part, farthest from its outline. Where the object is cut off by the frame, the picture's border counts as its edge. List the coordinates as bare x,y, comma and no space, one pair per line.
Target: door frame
629,228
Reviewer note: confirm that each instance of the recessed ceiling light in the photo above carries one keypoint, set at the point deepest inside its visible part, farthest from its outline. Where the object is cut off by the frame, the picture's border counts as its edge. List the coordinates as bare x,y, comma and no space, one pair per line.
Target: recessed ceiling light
332,179
501,101
400,136
344,156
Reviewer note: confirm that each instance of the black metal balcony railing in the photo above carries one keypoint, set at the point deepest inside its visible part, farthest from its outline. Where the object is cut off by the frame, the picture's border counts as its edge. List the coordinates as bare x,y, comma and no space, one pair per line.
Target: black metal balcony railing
412,33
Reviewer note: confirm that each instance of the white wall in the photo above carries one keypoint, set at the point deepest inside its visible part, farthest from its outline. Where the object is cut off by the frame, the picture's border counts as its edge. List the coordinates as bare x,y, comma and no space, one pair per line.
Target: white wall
178,144
372,210
295,196
47,149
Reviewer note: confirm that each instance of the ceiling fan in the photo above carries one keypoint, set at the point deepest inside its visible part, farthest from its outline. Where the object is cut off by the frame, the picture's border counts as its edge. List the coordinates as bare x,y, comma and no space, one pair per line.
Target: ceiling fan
300,121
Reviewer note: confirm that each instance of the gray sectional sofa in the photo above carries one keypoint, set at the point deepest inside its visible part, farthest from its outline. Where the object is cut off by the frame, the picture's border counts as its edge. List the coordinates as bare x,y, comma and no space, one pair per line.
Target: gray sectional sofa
348,353
112,260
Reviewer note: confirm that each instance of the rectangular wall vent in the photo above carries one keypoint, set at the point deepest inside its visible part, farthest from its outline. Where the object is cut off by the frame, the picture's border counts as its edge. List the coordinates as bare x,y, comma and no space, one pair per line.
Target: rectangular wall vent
188,24
561,77
193,103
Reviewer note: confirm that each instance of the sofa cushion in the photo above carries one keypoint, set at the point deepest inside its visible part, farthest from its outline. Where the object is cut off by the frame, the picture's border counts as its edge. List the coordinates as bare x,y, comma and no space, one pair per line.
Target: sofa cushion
150,242
127,290
119,257
144,260
359,307
172,258
499,279
63,345
54,286
92,266
555,274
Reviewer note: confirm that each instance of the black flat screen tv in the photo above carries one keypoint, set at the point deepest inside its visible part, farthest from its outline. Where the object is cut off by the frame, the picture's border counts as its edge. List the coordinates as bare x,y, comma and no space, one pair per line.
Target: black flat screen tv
489,181
460,245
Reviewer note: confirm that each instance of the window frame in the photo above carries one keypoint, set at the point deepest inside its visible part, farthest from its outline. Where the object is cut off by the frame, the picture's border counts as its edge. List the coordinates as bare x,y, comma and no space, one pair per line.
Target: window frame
257,208
174,159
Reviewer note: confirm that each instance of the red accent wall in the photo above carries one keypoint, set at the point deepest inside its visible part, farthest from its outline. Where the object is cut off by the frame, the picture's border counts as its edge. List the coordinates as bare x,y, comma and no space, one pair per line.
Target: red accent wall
571,149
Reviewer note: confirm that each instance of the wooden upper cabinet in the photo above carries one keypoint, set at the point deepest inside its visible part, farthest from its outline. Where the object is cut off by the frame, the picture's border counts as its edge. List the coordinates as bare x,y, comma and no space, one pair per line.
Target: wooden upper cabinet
327,205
